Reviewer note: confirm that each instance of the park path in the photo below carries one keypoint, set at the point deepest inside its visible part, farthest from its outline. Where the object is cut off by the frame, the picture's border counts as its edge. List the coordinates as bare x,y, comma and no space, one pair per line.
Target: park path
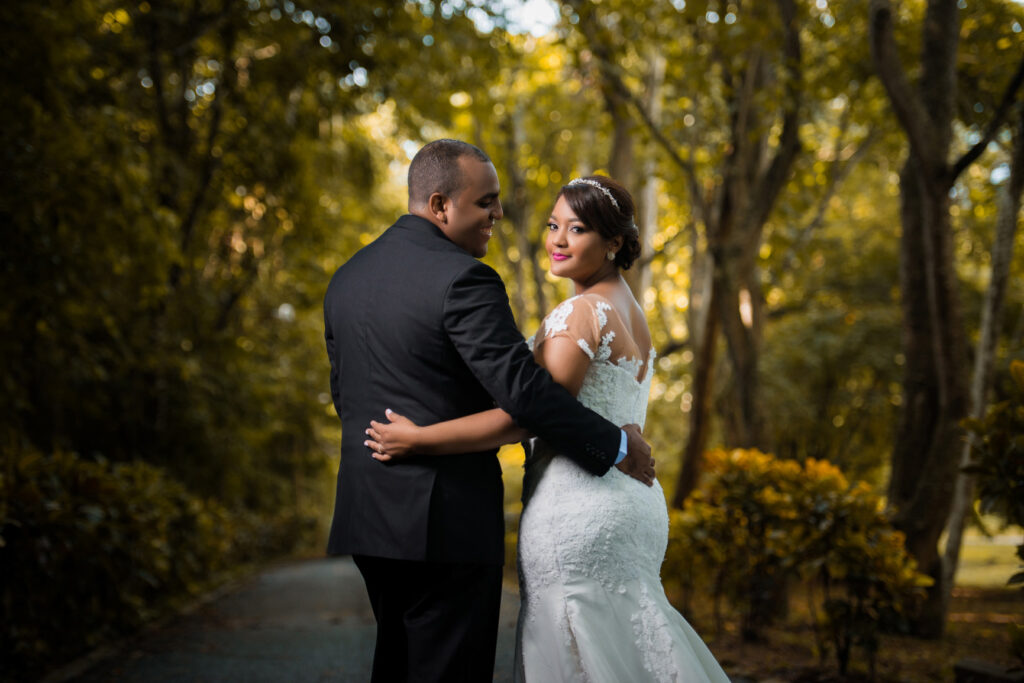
298,621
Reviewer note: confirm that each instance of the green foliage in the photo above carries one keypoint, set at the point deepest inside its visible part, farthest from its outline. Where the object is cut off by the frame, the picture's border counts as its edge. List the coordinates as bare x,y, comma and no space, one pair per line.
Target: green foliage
868,581
183,177
162,161
832,375
758,522
735,525
999,453
999,457
93,549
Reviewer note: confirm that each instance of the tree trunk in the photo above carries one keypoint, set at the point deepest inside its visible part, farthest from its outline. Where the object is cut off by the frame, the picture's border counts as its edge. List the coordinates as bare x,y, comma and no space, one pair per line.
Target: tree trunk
704,345
702,321
735,309
935,399
639,276
533,249
1009,203
934,389
751,186
621,158
934,392
518,210
752,179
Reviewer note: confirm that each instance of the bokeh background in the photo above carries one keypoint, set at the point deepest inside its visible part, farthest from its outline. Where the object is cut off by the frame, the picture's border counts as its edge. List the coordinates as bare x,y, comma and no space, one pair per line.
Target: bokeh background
829,195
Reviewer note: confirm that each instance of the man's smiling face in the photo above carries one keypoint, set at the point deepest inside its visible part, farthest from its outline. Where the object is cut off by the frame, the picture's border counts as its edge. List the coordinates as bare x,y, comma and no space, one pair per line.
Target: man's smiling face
470,216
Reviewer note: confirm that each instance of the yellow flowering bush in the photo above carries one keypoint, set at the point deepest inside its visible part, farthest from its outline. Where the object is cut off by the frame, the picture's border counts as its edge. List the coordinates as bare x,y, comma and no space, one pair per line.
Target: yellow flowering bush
758,522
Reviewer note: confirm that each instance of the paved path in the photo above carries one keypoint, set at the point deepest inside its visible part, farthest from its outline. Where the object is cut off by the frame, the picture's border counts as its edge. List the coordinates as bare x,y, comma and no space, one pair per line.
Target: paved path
301,621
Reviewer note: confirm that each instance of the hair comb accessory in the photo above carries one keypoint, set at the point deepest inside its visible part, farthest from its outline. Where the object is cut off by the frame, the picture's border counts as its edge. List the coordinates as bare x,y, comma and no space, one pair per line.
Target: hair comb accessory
593,183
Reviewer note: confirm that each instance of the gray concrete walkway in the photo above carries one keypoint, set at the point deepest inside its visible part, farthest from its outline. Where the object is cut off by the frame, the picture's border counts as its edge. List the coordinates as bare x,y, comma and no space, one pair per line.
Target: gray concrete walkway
301,621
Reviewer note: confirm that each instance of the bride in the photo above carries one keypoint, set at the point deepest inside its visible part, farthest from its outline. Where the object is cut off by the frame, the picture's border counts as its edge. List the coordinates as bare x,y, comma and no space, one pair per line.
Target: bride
590,548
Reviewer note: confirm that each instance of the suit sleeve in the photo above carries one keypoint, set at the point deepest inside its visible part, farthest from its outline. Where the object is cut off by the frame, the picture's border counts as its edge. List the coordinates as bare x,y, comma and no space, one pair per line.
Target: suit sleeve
480,324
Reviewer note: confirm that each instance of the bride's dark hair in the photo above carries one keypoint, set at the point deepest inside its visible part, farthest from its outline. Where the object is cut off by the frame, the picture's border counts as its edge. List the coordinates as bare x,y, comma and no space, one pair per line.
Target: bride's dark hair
606,206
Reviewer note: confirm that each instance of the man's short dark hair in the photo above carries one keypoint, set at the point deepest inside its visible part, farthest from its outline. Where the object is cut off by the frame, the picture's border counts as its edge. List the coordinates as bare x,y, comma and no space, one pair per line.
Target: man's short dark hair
435,168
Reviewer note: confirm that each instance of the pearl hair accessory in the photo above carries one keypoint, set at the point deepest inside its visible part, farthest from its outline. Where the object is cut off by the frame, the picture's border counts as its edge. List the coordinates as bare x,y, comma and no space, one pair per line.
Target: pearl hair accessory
594,183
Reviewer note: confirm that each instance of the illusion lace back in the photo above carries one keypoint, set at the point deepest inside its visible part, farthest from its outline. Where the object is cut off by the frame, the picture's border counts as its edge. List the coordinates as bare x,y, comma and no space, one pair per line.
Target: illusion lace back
590,548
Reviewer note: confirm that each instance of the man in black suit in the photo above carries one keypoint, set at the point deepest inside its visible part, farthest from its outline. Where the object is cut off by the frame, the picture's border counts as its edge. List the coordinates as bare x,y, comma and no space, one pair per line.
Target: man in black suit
415,323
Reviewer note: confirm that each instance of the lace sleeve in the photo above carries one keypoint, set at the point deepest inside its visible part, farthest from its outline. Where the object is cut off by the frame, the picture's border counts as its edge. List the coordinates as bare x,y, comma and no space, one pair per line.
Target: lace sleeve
581,319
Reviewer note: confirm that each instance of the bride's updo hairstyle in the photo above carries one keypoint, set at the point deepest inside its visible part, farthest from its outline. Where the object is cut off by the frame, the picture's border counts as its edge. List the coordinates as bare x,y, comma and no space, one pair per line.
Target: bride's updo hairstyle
606,206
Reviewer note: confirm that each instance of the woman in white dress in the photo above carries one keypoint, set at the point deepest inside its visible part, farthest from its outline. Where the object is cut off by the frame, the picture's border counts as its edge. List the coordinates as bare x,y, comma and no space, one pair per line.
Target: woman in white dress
590,548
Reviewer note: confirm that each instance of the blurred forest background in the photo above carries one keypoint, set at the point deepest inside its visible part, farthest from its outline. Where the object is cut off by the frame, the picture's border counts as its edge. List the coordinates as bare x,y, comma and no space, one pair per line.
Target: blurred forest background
829,194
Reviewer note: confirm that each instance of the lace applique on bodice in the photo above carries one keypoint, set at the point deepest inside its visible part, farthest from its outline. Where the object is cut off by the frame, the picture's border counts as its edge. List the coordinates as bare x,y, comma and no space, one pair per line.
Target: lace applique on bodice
591,322
618,380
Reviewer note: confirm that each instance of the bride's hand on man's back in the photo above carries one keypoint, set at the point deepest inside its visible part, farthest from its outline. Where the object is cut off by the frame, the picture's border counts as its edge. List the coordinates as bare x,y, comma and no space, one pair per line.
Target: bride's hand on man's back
393,439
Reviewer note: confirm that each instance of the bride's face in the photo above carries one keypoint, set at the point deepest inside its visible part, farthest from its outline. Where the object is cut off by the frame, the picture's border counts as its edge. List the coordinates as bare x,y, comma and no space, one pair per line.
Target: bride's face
576,251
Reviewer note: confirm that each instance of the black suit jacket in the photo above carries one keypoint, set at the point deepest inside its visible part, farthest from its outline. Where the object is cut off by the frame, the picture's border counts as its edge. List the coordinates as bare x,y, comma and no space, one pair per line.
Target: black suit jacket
416,324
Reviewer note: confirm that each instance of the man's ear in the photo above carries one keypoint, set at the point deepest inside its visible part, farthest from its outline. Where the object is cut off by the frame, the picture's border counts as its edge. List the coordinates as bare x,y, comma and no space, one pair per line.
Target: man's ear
437,204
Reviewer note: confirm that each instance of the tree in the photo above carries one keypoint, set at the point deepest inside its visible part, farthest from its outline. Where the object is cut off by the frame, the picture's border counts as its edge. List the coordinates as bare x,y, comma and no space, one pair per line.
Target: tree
750,75
981,377
180,189
935,385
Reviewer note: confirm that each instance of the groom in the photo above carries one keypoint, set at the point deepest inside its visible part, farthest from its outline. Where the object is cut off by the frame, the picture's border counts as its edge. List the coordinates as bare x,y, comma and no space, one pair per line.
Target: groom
415,323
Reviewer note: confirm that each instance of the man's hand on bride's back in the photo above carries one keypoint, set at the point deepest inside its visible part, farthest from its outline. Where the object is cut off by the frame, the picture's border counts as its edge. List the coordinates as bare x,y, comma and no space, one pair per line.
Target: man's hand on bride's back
638,462
393,439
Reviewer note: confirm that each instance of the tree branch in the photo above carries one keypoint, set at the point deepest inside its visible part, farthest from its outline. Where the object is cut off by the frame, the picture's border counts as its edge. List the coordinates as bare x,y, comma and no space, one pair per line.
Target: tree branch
771,182
156,70
909,111
993,125
659,137
210,161
673,346
657,253
839,173
235,294
614,81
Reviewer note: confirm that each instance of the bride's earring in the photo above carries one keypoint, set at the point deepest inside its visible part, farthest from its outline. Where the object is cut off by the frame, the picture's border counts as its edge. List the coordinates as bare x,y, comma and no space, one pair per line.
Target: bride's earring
611,255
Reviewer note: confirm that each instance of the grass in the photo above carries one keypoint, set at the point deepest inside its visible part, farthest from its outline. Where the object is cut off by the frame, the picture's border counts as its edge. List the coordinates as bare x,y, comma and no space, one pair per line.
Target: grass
984,564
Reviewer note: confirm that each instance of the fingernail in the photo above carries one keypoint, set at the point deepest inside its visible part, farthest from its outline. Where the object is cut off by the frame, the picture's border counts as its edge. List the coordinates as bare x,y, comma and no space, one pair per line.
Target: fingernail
388,411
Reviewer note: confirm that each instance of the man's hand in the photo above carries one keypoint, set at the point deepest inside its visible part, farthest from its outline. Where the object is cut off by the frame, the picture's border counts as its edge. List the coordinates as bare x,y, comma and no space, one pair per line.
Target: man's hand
638,462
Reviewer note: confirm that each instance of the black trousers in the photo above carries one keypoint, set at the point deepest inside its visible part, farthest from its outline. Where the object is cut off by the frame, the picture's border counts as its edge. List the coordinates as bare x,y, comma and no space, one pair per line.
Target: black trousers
435,621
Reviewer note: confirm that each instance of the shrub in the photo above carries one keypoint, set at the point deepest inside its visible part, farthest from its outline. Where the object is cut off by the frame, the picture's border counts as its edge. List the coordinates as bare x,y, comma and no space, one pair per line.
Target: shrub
733,527
999,457
92,550
999,466
757,520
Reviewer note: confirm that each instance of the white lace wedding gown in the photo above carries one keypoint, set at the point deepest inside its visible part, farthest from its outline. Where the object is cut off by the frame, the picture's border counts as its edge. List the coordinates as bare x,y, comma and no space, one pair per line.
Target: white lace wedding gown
591,548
